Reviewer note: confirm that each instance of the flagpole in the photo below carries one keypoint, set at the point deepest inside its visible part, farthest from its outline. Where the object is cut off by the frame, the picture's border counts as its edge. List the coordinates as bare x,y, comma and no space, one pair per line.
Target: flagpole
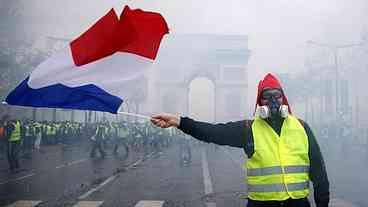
136,115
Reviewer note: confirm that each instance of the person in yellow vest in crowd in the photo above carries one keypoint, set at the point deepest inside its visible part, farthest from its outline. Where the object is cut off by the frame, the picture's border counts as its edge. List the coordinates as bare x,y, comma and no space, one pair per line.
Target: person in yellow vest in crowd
13,135
57,133
72,131
283,154
26,139
38,136
32,134
137,136
63,133
98,139
53,132
67,133
48,133
122,138
2,140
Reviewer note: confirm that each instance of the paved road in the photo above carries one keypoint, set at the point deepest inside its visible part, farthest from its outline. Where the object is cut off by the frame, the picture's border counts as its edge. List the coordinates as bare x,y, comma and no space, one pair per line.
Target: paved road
69,177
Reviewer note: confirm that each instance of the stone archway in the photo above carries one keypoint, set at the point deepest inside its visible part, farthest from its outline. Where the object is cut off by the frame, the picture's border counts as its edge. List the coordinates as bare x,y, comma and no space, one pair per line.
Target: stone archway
201,99
222,59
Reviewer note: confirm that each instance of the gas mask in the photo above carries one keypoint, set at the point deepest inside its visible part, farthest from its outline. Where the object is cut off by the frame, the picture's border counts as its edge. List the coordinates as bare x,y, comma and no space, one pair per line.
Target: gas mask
265,112
270,105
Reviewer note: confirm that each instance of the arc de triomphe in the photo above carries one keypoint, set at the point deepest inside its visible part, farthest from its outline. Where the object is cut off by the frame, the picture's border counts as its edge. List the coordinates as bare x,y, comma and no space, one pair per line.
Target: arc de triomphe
222,59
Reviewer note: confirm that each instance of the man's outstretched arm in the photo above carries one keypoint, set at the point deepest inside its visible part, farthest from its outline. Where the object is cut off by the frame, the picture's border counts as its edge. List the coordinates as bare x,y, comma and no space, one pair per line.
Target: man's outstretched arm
234,134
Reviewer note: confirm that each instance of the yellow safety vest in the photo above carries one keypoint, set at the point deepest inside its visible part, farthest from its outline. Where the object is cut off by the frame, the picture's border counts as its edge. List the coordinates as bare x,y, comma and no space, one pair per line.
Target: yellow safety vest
123,132
53,130
48,130
279,167
15,135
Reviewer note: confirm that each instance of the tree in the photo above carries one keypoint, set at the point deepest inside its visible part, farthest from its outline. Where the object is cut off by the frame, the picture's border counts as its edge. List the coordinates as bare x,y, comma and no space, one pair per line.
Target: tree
17,60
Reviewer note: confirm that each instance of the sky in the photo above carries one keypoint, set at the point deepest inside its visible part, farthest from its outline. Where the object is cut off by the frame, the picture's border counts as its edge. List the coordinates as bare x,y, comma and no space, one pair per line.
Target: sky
277,29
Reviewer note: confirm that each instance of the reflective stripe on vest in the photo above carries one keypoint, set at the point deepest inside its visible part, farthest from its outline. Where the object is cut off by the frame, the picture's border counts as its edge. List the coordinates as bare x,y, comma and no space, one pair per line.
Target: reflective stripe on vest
278,170
278,187
279,167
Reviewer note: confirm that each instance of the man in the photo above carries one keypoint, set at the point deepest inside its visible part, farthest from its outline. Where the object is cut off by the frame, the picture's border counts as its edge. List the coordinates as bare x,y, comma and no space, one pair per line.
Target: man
27,139
283,154
38,136
2,140
185,150
121,136
137,137
13,135
98,140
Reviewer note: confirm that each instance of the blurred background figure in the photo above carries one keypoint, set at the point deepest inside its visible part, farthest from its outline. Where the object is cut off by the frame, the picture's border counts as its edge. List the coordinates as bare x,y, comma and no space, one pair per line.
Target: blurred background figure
98,140
14,139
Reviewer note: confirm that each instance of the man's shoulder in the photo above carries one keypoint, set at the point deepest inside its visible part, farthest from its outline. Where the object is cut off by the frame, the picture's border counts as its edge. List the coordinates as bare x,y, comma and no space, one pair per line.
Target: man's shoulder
305,126
303,123
248,123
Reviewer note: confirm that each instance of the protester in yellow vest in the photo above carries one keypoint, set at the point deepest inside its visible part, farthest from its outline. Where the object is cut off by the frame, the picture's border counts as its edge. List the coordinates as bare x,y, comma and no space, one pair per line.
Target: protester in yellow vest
13,134
121,137
57,133
53,132
283,154
98,139
27,138
38,136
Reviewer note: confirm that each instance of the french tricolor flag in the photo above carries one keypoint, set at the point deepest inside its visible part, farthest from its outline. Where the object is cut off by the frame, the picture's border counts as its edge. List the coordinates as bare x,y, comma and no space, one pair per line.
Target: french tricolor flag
89,74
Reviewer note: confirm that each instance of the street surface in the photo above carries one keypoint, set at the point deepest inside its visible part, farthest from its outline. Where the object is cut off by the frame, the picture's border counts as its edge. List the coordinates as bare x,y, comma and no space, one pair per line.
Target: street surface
67,176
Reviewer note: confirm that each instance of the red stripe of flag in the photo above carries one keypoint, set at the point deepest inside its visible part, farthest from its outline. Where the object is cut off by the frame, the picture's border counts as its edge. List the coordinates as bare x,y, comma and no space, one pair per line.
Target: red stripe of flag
97,42
147,31
138,32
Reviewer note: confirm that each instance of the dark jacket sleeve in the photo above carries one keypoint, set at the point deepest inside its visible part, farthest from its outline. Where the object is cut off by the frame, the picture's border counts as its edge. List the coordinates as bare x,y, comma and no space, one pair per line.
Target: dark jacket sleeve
235,134
318,173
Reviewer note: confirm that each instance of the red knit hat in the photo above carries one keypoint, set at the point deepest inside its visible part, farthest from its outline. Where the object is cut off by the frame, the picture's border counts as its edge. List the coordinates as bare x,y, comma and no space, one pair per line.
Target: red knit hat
271,82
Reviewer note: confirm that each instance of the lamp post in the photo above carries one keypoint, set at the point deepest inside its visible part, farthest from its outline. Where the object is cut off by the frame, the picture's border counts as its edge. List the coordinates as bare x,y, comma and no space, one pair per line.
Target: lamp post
334,49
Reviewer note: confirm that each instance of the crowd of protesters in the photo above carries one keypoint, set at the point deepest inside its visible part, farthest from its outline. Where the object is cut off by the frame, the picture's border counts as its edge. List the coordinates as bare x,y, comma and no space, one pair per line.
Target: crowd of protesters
137,136
22,138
